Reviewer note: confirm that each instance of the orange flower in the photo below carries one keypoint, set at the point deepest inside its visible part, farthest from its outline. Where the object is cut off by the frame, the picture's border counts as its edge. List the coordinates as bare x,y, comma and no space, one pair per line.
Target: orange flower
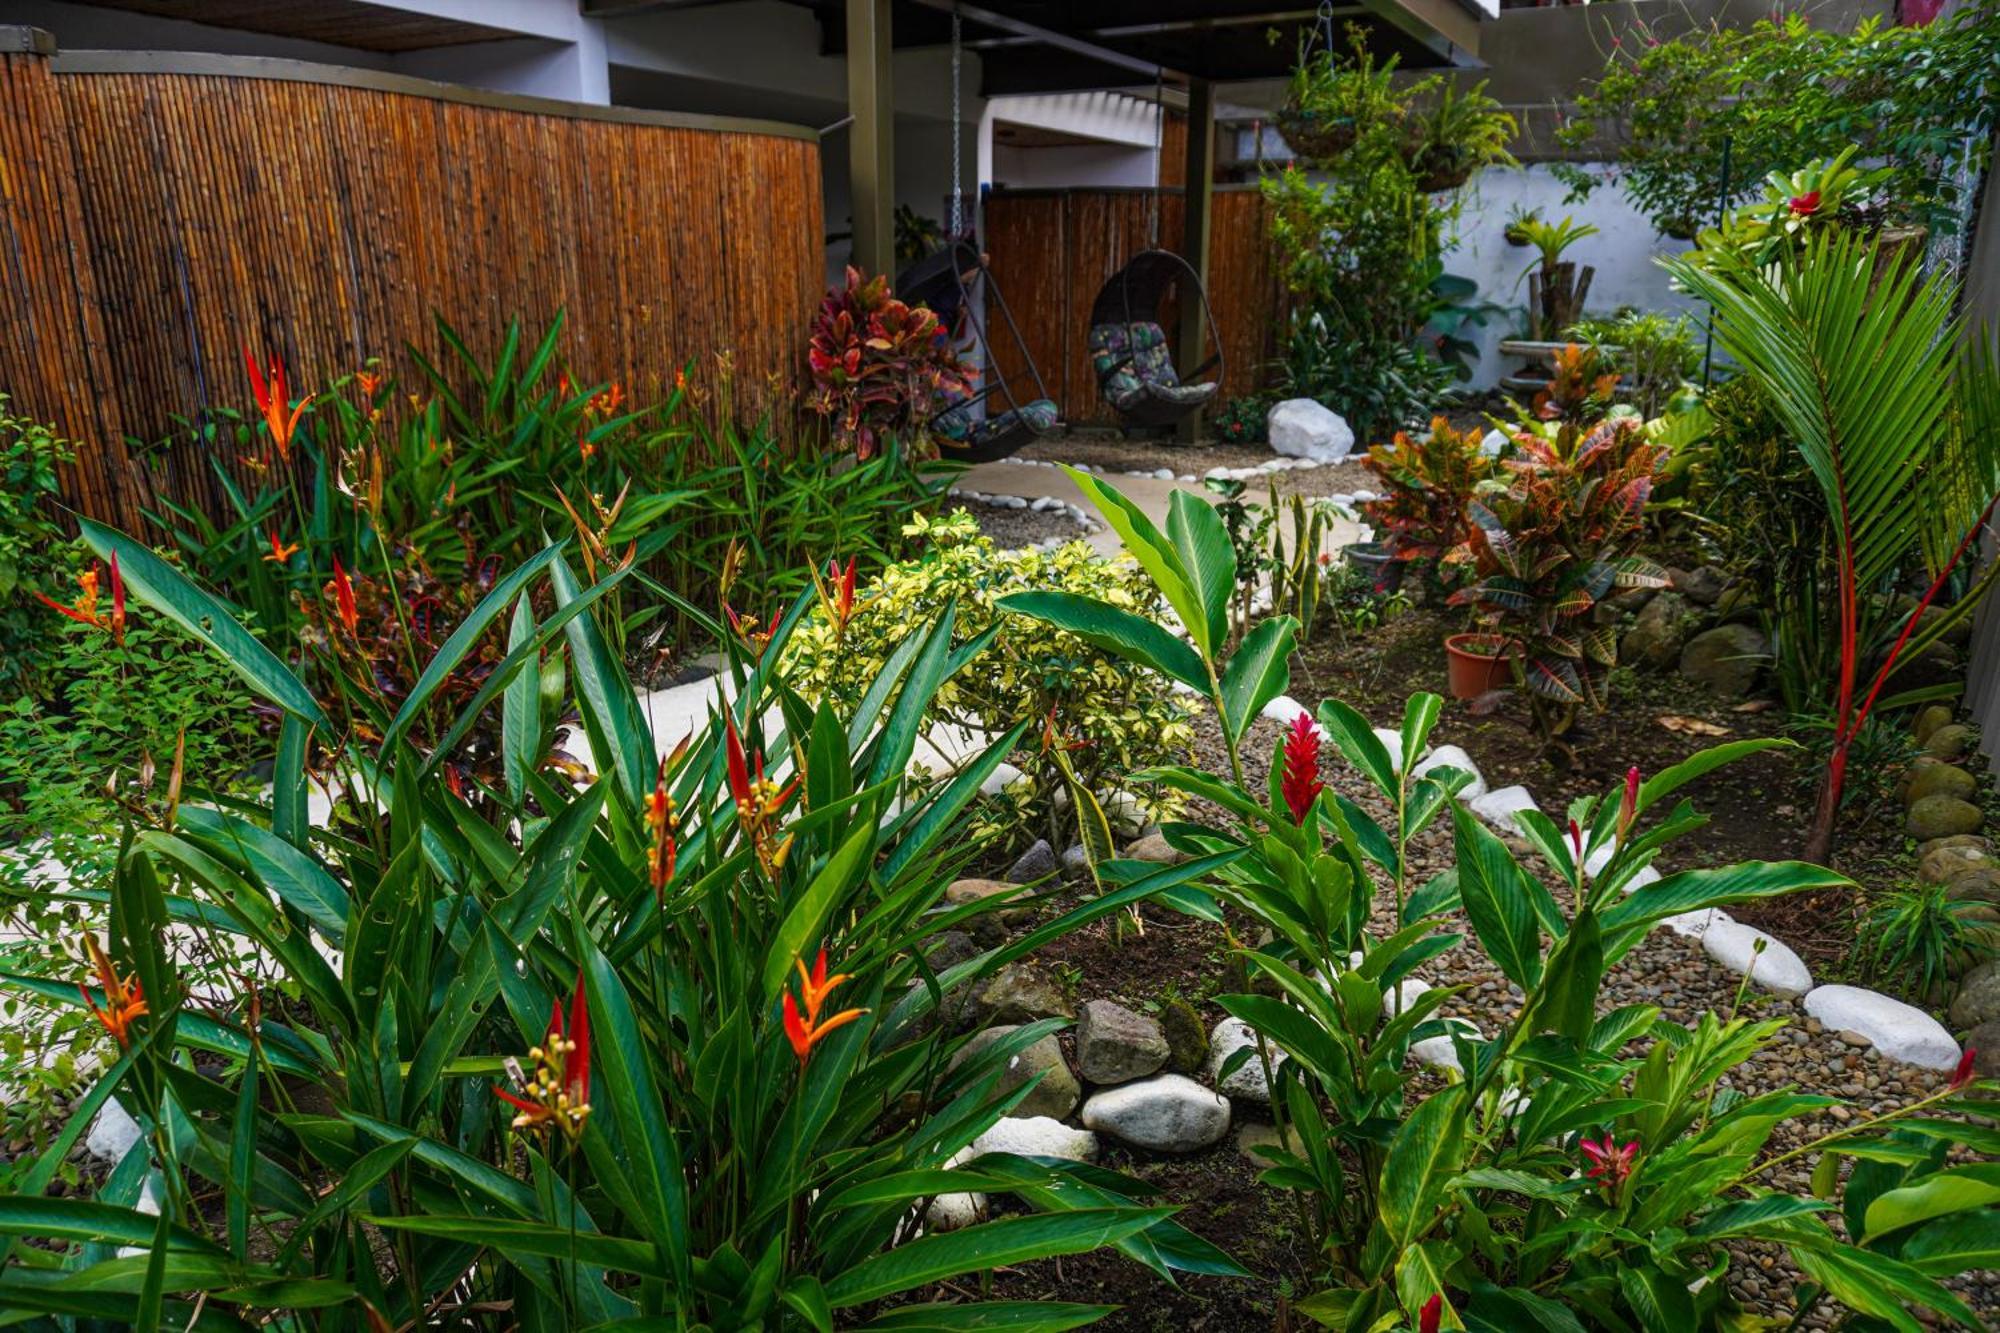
280,417
84,609
758,801
368,381
607,403
558,1091
343,597
836,595
748,632
123,1001
280,551
664,823
806,1030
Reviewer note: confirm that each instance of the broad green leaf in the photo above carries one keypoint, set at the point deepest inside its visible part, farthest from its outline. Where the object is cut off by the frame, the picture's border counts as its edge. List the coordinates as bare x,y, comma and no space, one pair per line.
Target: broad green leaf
461,642
1496,902
1209,559
1122,633
803,924
1955,1244
1363,748
1258,671
1009,1241
1956,1189
1423,1156
1145,543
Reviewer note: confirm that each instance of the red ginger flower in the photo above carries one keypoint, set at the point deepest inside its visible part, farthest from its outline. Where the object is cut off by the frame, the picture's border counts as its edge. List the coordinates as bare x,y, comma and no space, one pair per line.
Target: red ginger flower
806,1030
274,401
1963,1074
1628,807
123,1000
1612,1163
558,1091
1805,205
1427,1318
1301,784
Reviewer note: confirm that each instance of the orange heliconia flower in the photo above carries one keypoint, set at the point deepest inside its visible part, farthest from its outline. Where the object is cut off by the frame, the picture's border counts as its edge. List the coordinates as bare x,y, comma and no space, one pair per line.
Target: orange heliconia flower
558,1091
280,417
343,597
758,802
836,595
369,382
806,1030
663,822
123,1000
84,609
280,551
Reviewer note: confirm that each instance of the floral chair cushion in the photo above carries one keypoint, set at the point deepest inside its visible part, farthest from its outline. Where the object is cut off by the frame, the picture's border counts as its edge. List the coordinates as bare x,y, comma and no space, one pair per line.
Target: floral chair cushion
961,426
1144,364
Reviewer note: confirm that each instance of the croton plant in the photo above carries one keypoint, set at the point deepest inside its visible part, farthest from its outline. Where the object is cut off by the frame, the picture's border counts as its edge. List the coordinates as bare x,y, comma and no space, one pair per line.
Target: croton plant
880,366
1557,538
1427,482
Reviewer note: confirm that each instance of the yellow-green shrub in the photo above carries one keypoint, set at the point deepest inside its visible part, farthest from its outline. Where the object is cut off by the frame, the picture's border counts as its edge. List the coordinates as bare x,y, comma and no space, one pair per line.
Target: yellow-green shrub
1112,717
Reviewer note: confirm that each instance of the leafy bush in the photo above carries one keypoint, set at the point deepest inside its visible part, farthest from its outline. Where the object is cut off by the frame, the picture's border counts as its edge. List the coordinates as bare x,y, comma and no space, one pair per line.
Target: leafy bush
1559,537
1916,939
586,1059
1656,353
1241,420
31,545
1379,384
880,367
1552,1175
1919,98
1116,719
1427,481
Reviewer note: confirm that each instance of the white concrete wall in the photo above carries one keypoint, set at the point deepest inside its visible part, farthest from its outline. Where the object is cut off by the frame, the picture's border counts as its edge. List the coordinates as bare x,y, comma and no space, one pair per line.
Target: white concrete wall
1057,165
1623,252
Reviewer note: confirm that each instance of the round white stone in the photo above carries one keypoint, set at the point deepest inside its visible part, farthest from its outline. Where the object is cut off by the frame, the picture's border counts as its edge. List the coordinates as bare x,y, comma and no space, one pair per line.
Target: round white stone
1167,1113
1899,1031
1777,969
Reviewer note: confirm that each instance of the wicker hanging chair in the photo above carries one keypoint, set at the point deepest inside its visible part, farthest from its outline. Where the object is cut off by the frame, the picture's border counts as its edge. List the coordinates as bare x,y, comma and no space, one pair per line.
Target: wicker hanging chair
955,283
1135,367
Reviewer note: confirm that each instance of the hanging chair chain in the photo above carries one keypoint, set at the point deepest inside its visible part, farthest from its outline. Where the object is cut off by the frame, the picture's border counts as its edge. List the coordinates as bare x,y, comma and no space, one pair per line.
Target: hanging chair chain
957,134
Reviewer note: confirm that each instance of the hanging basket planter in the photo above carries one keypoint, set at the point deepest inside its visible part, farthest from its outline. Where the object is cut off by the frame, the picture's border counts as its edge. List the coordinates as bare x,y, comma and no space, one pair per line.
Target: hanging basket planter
1316,138
1438,167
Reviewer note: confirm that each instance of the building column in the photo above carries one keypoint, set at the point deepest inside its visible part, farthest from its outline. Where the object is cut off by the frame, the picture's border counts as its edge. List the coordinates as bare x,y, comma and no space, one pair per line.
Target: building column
871,140
1198,190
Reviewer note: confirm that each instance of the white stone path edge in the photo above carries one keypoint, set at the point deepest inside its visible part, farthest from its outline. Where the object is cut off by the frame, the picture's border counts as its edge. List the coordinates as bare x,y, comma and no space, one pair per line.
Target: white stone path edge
1898,1031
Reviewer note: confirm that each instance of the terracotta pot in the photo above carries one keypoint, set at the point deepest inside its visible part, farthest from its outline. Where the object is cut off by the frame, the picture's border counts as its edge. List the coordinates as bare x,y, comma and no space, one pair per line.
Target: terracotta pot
1475,664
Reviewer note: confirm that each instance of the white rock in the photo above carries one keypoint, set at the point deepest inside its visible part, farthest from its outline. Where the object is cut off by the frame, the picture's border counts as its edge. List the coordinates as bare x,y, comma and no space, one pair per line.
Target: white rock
1392,741
1247,1079
1046,503
955,1212
113,1133
1163,474
1302,428
1003,776
1451,756
1340,498
1493,442
1185,476
1037,1136
1498,808
1438,1052
1285,709
1777,969
1645,875
1011,502
1697,923
1899,1031
1216,474
1167,1113
1124,812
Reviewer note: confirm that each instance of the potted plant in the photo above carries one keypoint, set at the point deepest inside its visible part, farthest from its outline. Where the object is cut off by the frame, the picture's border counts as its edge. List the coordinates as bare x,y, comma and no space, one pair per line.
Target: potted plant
1550,543
1556,287
1515,233
1330,103
1460,132
1477,663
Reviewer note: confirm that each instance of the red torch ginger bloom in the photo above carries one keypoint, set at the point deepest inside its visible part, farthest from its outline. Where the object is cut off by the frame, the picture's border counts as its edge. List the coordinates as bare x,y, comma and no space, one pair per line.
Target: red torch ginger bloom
1628,806
758,801
274,401
343,597
123,1000
1301,784
1805,205
1963,1074
807,1029
557,1092
1427,1318
84,609
1612,1164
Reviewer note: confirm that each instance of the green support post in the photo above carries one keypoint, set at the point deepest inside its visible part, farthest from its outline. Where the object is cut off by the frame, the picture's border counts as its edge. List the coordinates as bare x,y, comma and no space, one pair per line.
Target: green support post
871,141
1198,193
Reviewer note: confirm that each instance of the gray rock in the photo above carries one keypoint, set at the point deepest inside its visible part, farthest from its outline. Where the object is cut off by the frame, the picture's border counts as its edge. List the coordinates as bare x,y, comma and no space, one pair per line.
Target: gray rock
1980,884
1056,1095
1951,741
1978,998
1703,587
1036,1136
1037,863
988,927
1930,845
1187,1037
1938,664
1155,847
1166,1113
1942,816
949,949
1657,637
1727,658
1632,601
1939,779
1928,721
1075,860
1984,1042
1246,1082
1115,1045
1942,864
1020,993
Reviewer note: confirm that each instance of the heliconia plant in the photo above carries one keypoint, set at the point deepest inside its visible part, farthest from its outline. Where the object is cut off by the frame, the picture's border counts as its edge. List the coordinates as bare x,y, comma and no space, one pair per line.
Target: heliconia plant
576,1049
1553,1181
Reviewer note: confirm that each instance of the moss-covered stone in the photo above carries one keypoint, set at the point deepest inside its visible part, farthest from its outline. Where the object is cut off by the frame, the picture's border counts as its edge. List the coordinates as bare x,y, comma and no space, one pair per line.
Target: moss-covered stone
1187,1038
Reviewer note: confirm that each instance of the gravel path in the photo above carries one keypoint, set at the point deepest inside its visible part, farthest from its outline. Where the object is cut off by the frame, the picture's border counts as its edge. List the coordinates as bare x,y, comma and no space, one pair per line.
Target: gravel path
1009,527
1114,457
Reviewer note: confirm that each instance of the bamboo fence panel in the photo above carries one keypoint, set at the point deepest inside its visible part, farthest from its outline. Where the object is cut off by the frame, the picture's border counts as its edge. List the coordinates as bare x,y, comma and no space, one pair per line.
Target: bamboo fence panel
1052,250
179,217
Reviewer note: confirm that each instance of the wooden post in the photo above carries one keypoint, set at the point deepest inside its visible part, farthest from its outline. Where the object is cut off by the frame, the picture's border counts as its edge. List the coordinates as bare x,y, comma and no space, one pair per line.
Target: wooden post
1198,186
871,141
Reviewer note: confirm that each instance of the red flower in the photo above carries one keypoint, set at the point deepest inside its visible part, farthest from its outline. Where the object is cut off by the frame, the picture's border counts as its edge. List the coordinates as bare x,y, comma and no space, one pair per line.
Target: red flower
343,597
274,402
123,1000
1963,1074
1301,784
1612,1164
1427,1318
1805,205
84,609
1576,841
558,1091
806,1030
1628,808
663,823
758,801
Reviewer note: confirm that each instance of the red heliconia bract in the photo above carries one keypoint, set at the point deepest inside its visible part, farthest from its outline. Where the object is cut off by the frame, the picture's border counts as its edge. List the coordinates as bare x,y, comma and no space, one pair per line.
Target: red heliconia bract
1300,784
